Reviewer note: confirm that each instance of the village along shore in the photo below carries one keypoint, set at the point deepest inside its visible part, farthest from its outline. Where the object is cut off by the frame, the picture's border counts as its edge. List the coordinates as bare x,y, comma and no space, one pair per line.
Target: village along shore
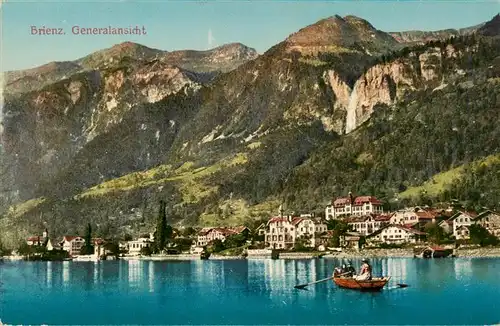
467,252
491,252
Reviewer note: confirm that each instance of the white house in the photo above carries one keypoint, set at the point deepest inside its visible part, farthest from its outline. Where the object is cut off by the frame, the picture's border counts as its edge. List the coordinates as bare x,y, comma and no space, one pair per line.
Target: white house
347,206
461,222
396,234
282,232
135,246
412,216
309,228
368,224
207,235
72,244
202,239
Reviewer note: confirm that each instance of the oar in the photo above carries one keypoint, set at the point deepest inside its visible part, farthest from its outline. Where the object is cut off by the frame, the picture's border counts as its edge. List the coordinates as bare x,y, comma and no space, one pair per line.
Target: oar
301,286
398,286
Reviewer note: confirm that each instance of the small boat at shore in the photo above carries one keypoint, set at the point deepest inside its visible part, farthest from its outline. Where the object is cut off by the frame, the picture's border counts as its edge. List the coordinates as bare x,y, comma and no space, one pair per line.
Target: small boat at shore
375,284
433,252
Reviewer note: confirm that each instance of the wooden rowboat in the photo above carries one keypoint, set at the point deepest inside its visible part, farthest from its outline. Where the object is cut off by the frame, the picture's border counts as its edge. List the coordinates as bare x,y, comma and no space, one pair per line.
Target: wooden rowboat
375,284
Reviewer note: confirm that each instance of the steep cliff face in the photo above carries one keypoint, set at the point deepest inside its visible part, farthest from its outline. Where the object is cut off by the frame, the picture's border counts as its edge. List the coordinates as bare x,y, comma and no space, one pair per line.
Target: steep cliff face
421,37
43,130
387,83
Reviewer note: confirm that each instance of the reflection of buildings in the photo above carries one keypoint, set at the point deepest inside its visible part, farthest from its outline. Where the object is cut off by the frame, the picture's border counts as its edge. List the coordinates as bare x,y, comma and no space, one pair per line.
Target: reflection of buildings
151,276
65,273
256,268
280,276
134,271
397,269
96,272
141,274
463,268
49,274
214,273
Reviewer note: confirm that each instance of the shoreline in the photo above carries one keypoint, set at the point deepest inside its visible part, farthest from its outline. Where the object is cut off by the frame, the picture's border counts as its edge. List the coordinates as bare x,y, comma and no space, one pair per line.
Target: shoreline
367,253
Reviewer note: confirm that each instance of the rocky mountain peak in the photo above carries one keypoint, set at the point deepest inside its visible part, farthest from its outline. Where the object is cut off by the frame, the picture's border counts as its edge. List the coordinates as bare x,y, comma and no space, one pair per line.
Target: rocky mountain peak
233,51
492,27
116,53
341,34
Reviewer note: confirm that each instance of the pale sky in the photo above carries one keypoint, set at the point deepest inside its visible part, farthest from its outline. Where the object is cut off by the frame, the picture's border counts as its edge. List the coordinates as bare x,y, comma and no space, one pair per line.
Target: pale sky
198,25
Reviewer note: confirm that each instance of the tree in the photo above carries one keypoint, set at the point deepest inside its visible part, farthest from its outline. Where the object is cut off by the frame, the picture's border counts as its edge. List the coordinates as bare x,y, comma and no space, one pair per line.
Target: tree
24,249
113,247
2,249
189,231
145,251
339,228
88,248
435,232
235,240
216,246
479,235
303,243
163,230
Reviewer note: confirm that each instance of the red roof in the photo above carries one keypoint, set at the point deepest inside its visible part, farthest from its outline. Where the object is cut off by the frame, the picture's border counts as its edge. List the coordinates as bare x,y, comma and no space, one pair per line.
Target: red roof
366,199
381,217
35,238
356,219
278,219
341,201
472,214
364,218
409,229
223,230
425,215
70,237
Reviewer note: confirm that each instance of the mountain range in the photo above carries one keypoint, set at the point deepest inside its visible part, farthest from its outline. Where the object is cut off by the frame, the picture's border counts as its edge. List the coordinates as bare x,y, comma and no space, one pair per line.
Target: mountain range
227,135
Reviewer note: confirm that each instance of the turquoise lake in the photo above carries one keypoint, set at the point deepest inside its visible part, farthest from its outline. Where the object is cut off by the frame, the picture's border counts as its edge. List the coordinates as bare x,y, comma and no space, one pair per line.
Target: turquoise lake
441,291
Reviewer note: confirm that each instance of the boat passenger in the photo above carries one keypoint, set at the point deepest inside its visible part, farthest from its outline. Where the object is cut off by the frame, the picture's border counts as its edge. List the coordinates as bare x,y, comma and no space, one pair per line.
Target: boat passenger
350,269
365,274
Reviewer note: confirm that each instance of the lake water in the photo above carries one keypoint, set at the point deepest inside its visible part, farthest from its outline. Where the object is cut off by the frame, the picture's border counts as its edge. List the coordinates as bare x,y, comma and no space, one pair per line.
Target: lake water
446,291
